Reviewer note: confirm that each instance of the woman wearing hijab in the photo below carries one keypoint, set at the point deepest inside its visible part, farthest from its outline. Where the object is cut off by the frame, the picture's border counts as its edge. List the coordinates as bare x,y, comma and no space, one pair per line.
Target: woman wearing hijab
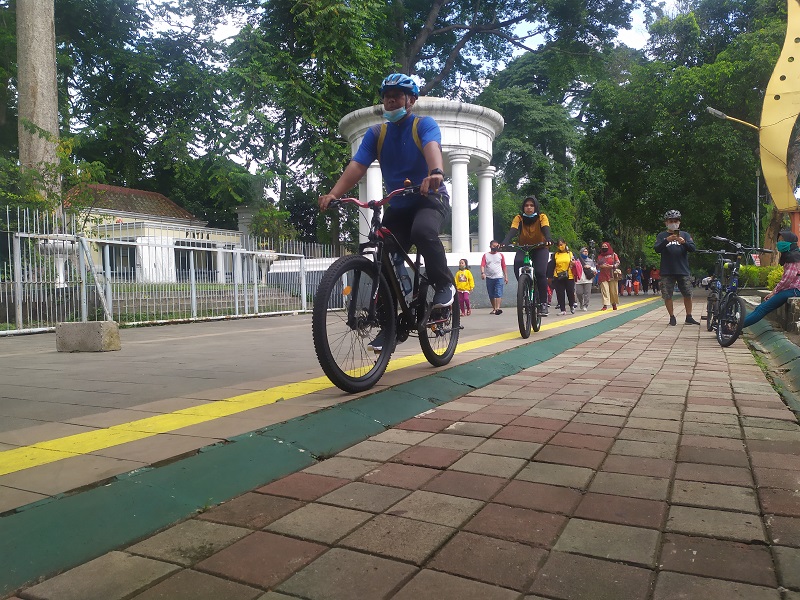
607,262
532,227
788,286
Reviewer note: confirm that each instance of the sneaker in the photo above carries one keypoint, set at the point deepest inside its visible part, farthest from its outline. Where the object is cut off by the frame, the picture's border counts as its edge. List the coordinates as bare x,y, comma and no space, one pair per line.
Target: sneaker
544,309
498,311
585,309
604,307
574,307
563,312
613,307
444,296
376,345
690,320
673,321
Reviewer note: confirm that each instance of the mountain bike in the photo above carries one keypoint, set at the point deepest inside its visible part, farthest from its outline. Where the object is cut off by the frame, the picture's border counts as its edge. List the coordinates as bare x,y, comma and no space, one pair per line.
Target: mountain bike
714,286
361,299
726,310
528,304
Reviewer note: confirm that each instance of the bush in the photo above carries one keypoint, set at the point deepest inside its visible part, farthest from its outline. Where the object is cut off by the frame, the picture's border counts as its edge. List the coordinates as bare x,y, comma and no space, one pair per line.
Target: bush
751,276
774,277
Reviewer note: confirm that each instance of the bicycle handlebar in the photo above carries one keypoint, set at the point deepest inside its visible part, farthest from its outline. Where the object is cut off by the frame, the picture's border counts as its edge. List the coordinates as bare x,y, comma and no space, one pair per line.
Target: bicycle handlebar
526,247
377,203
739,246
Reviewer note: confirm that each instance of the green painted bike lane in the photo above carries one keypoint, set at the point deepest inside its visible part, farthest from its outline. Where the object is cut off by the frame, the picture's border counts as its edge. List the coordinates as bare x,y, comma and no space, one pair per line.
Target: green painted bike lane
51,536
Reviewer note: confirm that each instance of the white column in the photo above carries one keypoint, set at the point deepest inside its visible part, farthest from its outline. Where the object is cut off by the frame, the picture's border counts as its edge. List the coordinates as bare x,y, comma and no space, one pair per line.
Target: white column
485,206
460,199
370,188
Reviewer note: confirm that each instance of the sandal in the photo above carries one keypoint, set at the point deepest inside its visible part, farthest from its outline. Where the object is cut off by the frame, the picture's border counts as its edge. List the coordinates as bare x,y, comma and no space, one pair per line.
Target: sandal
469,312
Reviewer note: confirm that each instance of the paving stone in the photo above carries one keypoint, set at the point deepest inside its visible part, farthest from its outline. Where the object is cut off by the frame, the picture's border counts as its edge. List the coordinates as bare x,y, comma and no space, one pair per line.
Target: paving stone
429,456
564,475
540,423
588,429
644,449
788,560
783,530
777,478
372,450
409,540
342,467
113,576
452,441
577,457
579,440
320,523
428,425
189,542
482,416
714,474
475,429
637,512
432,585
712,495
261,559
703,441
467,485
191,585
402,436
404,476
635,486
719,559
303,486
346,575
575,577
494,561
365,496
486,464
524,434
775,460
610,541
517,524
442,509
715,523
251,510
510,448
670,586
780,502
713,456
539,496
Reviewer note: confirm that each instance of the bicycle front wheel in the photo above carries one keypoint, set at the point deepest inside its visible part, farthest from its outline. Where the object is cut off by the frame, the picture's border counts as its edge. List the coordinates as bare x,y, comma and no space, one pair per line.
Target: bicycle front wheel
536,308
438,337
343,330
524,308
730,320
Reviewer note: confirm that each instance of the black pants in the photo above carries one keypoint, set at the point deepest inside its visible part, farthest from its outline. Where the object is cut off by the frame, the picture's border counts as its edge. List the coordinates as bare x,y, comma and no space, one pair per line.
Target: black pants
561,286
420,226
539,258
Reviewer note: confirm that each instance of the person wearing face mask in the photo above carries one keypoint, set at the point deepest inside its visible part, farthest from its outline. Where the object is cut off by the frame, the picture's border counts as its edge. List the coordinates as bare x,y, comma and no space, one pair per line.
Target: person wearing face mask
408,148
464,285
583,286
788,286
493,271
533,227
564,277
674,246
607,263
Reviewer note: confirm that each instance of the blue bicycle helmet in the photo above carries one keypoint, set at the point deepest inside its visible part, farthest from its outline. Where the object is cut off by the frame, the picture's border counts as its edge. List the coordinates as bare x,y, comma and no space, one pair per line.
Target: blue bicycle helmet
402,82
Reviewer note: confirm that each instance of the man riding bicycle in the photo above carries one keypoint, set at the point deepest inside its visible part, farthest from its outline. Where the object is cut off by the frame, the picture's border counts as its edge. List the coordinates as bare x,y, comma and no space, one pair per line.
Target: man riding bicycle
407,147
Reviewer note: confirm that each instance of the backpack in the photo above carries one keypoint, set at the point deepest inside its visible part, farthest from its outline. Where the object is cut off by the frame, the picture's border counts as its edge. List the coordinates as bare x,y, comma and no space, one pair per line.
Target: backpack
380,131
577,269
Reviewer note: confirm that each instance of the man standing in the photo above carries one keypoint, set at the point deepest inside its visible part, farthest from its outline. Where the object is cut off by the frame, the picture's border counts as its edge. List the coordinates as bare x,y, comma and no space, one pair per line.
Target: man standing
493,270
674,246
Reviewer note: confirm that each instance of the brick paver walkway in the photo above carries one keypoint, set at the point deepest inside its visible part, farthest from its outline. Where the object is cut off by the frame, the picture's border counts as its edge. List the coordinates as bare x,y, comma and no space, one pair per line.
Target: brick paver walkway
648,463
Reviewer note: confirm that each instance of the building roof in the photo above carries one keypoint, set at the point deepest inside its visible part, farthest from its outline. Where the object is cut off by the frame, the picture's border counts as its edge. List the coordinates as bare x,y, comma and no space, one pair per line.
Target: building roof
120,199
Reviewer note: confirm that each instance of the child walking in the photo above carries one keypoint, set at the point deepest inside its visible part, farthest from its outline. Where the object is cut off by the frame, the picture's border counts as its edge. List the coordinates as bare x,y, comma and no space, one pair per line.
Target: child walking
464,285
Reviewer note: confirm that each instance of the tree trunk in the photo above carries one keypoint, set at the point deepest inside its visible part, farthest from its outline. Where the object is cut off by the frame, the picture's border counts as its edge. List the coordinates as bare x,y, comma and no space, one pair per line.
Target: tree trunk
38,94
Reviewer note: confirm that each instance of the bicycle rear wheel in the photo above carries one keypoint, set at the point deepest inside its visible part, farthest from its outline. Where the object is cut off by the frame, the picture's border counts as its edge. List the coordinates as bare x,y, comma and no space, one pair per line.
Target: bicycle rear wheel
524,308
342,328
438,338
730,320
536,309
711,313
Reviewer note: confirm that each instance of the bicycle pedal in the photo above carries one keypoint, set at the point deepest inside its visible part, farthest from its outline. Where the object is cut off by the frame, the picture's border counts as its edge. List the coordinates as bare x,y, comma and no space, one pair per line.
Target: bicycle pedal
703,318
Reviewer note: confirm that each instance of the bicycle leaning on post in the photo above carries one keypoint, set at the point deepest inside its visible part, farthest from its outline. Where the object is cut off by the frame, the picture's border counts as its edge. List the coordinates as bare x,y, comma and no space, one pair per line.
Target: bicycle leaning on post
725,310
371,292
528,303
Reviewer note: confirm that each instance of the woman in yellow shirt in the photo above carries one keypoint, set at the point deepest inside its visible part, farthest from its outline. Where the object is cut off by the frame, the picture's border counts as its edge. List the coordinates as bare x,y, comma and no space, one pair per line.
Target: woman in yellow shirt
533,227
464,285
563,278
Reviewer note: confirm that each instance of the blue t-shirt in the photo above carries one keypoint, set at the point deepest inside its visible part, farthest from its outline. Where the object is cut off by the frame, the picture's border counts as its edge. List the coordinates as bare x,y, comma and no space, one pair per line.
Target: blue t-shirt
401,159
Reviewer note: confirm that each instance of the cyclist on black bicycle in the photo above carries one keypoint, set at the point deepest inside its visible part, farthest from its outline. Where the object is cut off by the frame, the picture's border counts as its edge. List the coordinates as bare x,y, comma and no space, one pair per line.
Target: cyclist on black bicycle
533,227
788,286
408,148
674,246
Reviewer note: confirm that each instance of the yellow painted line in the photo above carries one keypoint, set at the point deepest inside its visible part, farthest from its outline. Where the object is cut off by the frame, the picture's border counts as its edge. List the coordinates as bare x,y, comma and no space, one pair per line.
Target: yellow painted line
42,453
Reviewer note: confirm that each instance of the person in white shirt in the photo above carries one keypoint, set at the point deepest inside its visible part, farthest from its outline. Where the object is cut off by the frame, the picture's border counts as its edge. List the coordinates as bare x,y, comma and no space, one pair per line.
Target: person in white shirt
493,271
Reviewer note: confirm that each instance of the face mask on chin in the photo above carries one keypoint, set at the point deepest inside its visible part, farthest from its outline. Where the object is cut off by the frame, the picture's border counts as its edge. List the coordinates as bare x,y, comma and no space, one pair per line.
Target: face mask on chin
393,116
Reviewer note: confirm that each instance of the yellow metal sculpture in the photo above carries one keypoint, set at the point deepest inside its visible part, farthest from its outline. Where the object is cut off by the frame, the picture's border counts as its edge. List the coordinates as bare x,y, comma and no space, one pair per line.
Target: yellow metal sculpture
781,108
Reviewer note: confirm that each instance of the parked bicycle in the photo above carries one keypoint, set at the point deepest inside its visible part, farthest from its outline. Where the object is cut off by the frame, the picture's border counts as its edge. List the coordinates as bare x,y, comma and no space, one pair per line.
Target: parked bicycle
528,302
371,293
725,310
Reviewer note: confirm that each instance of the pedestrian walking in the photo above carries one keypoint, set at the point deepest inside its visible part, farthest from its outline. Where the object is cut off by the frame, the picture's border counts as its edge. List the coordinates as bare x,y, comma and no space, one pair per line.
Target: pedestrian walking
465,283
608,267
674,246
493,270
583,286
564,277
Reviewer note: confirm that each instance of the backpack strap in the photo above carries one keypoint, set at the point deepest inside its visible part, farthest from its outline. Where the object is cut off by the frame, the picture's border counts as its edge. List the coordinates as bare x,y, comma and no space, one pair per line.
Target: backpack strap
380,131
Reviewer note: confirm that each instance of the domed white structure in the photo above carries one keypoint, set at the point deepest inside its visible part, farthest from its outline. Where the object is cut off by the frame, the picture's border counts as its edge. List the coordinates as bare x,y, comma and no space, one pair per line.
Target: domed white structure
468,133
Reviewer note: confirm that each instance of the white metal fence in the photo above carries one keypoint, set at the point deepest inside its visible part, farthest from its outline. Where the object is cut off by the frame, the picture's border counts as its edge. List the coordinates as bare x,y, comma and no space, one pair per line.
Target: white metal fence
135,272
